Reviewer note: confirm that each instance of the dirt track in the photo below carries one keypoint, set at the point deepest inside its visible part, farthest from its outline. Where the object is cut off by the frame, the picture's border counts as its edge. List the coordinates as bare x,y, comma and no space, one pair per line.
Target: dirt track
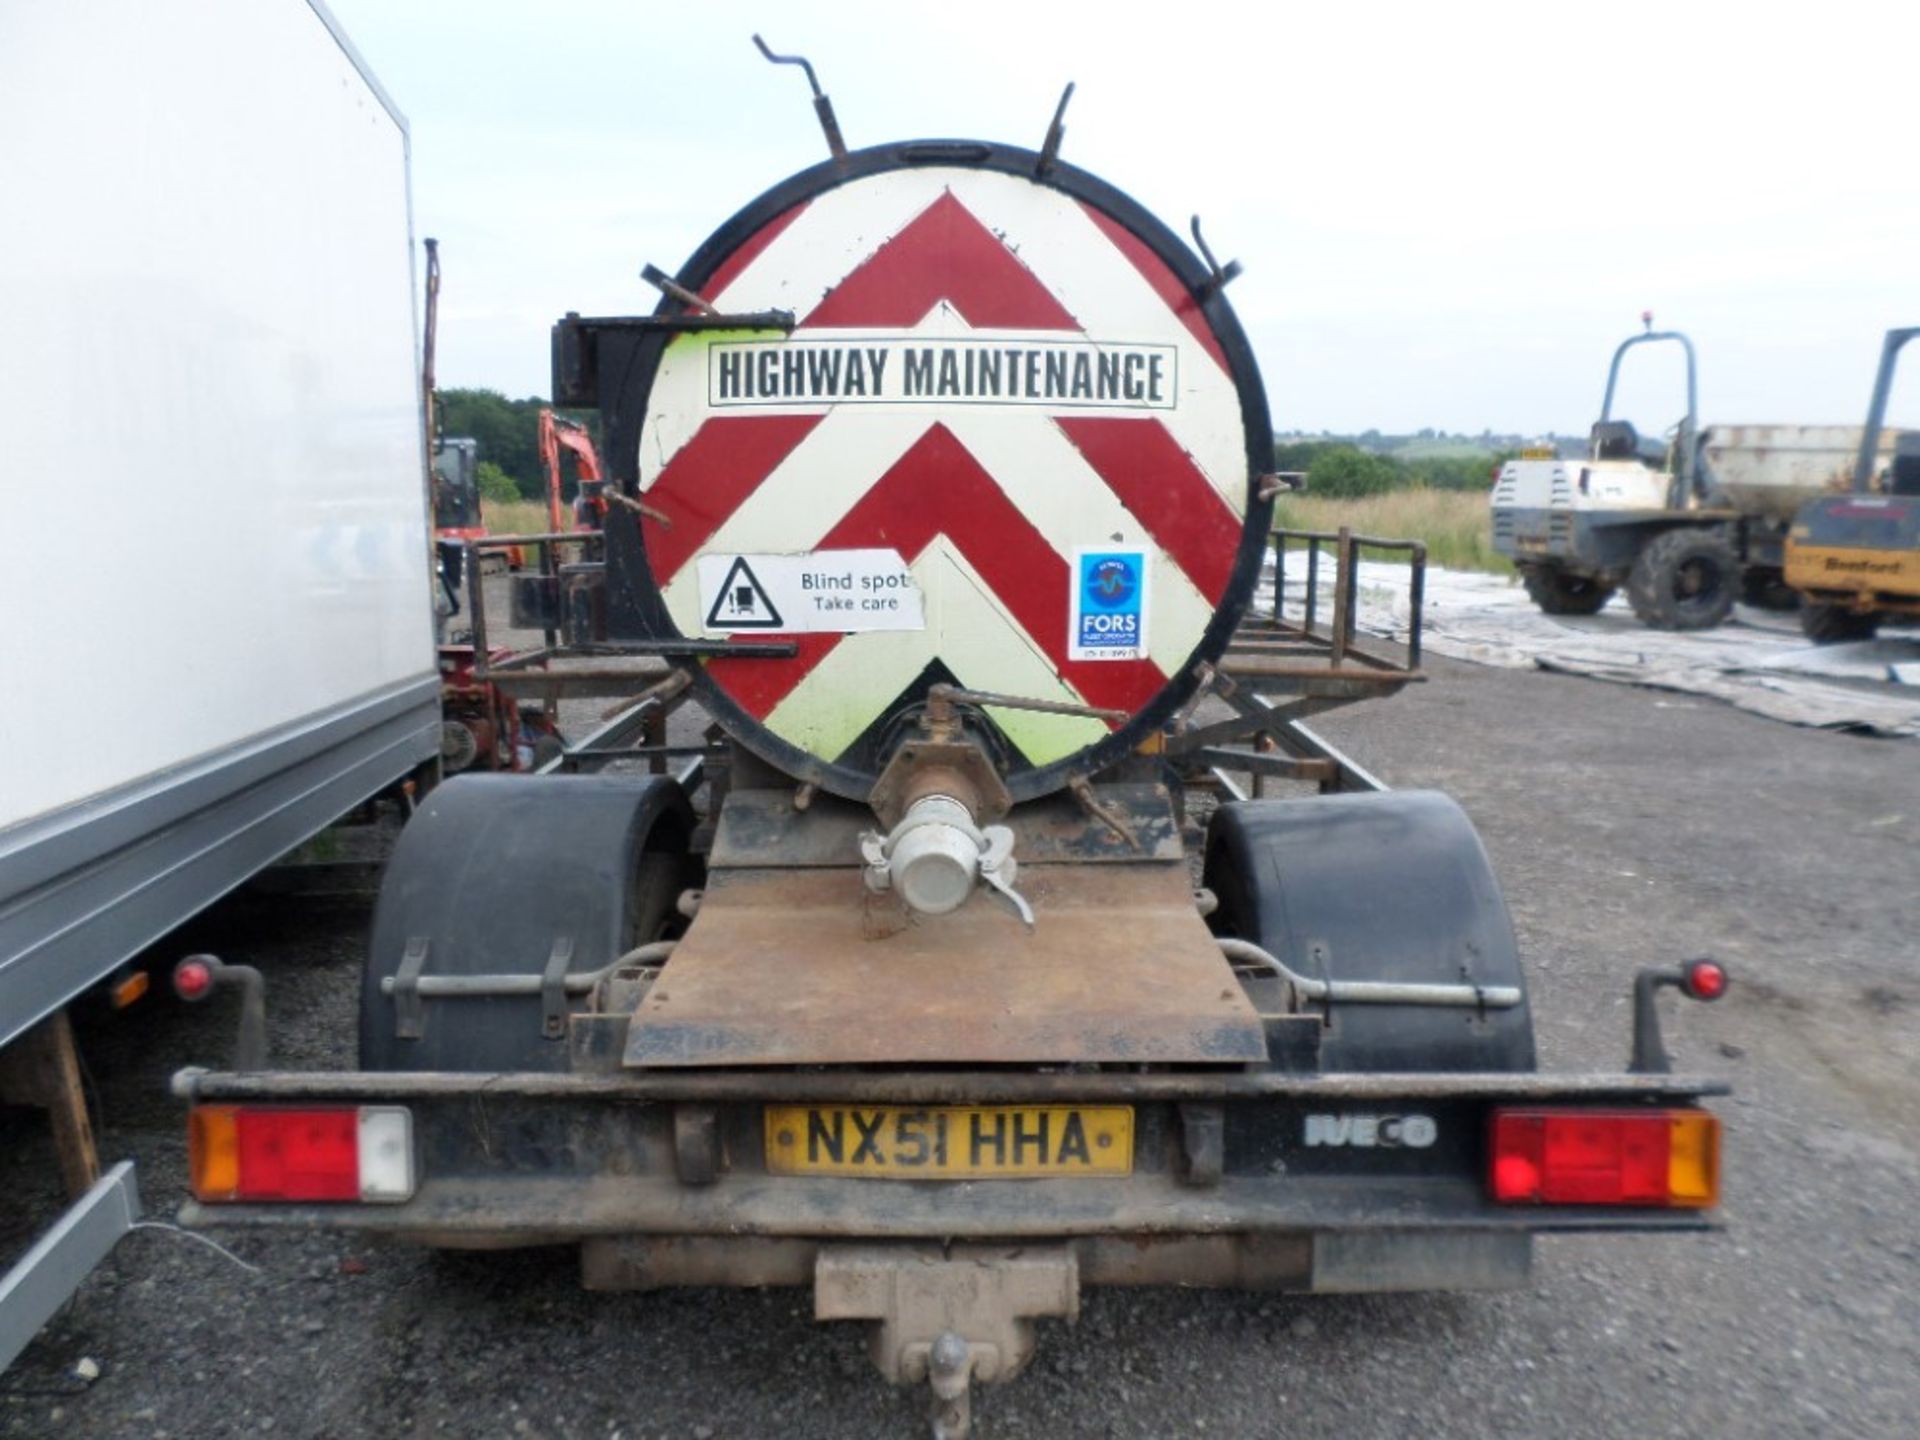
1628,827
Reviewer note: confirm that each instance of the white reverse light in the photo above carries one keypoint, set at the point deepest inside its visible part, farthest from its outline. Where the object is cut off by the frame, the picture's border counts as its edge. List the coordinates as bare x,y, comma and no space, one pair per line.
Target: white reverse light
386,1153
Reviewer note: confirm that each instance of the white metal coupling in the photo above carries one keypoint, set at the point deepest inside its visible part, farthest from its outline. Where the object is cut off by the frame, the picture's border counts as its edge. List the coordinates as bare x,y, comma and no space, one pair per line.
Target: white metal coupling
936,855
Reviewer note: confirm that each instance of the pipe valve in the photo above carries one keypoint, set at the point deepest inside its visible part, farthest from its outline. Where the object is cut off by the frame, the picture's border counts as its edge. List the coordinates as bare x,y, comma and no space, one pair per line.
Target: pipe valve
936,855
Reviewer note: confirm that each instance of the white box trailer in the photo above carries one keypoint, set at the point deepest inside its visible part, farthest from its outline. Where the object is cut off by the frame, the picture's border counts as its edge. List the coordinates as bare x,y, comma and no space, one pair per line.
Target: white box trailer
215,609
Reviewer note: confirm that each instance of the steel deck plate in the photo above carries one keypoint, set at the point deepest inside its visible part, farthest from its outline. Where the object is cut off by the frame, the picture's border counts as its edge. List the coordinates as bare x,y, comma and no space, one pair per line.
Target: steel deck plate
802,967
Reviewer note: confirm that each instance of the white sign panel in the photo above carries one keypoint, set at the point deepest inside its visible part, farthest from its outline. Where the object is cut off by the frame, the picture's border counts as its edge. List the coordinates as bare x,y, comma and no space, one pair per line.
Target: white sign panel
839,591
1056,374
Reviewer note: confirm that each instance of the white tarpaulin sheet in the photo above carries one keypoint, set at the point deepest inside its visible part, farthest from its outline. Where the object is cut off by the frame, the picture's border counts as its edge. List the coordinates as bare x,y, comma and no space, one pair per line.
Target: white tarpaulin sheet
1758,661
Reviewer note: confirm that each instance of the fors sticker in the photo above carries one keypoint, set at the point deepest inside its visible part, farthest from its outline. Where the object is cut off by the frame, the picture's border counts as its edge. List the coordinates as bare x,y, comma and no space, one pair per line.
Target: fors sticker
1109,617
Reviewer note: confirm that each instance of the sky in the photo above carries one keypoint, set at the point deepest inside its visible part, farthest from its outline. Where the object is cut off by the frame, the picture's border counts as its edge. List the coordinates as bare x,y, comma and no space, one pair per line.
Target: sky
1448,214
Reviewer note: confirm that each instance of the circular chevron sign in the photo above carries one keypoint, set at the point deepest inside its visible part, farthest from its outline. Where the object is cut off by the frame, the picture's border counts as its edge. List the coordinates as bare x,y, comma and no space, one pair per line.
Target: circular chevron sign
1005,446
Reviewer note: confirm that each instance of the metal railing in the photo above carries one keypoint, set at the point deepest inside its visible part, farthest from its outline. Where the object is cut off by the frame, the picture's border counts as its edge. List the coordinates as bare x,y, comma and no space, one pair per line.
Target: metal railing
547,548
1345,584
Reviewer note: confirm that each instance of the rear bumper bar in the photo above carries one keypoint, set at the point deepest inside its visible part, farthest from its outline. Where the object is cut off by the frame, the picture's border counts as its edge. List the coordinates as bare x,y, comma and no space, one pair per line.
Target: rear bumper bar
931,1087
524,1159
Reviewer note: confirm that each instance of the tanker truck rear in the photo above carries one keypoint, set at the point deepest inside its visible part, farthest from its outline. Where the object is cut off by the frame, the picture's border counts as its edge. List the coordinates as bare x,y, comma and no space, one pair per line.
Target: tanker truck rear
935,979
1687,524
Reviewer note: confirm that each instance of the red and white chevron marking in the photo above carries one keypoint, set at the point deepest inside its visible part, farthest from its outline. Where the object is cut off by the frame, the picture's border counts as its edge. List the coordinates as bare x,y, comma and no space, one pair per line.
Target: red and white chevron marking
986,502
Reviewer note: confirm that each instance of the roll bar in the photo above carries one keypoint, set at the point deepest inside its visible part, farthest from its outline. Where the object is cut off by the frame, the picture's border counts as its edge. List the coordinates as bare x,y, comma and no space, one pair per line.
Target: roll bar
1686,469
1877,407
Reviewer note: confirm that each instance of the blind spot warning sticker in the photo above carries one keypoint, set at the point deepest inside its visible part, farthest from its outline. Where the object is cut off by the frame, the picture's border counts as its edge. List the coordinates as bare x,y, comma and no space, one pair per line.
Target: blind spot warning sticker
834,591
1109,618
740,602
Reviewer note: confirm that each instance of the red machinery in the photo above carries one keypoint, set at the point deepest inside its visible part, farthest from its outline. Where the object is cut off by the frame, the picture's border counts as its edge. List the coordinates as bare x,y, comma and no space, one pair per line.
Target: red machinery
484,728
590,504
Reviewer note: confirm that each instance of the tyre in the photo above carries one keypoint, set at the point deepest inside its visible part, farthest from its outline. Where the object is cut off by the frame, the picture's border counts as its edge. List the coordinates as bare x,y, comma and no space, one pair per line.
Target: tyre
1392,887
1826,624
489,874
1557,592
1684,580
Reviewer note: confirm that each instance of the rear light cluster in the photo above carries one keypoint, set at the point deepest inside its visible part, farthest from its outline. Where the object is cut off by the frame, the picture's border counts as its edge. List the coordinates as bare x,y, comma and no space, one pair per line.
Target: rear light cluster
1668,1158
340,1153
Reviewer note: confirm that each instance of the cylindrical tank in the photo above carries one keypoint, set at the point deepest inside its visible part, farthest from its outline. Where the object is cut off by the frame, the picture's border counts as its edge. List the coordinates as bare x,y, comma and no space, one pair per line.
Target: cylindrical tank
1011,443
1772,470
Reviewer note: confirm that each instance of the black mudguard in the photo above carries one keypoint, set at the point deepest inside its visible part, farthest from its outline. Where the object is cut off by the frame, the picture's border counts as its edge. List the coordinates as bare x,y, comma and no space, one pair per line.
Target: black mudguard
1392,886
490,871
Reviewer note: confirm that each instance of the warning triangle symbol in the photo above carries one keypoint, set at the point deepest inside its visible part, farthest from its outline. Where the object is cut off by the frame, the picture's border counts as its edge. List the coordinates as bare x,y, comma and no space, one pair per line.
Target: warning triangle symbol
743,602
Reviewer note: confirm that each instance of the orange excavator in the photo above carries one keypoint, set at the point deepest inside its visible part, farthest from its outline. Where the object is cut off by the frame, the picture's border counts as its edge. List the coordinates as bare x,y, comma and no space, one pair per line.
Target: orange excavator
590,503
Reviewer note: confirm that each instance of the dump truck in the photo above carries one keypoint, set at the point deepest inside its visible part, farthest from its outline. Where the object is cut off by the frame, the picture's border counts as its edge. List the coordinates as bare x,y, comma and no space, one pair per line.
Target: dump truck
223,640
1687,523
959,962
1855,558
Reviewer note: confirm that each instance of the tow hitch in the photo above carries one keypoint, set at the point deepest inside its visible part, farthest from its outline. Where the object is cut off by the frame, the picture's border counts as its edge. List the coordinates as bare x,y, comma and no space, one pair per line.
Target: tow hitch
948,1317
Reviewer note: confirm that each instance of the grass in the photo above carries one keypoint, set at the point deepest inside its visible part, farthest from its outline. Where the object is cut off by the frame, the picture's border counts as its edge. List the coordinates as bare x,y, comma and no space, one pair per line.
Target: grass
516,517
1452,523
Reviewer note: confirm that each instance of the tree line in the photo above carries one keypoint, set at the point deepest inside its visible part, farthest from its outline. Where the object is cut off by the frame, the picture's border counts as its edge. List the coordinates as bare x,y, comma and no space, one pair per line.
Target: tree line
1343,470
508,432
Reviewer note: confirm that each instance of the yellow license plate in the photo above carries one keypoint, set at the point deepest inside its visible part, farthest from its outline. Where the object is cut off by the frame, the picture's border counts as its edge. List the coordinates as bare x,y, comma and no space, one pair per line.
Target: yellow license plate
952,1142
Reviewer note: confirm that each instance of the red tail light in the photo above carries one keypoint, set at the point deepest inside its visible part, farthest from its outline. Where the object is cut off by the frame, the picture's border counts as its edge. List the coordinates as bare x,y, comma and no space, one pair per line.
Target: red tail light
1605,1157
269,1153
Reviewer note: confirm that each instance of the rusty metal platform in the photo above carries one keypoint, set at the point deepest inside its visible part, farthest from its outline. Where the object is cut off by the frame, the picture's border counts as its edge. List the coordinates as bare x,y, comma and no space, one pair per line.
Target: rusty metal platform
803,967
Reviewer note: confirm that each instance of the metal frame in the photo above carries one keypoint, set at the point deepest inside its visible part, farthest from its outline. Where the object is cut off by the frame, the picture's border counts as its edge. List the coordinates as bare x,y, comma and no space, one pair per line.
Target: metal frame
1686,471
42,1280
824,1086
1863,465
1277,673
1274,673
1344,621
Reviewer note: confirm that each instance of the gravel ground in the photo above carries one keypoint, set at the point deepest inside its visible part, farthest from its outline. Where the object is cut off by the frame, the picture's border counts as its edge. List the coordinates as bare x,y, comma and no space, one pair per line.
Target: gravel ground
1628,828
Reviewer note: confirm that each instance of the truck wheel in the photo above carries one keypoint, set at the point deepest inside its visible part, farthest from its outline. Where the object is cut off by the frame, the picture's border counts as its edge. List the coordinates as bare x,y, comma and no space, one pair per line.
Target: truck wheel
1826,624
1557,592
1684,580
1392,886
489,873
